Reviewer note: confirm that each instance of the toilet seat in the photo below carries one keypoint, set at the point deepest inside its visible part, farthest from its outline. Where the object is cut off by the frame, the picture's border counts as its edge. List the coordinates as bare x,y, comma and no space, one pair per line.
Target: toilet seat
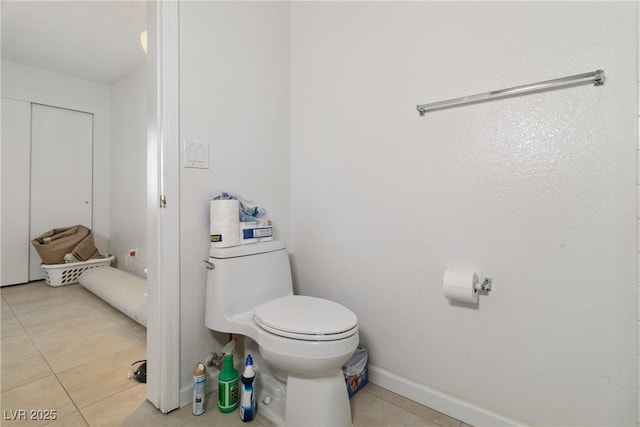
306,318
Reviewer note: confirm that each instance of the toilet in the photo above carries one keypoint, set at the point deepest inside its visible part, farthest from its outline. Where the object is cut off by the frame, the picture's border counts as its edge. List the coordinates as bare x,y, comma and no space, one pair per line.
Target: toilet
302,341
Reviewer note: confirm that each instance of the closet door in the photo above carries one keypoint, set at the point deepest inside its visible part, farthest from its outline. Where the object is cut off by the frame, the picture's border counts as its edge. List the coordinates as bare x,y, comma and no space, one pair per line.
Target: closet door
61,172
16,124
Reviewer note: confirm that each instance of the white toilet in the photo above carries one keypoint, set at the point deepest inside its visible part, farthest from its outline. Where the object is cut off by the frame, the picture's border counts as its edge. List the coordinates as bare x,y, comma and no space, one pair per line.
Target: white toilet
303,340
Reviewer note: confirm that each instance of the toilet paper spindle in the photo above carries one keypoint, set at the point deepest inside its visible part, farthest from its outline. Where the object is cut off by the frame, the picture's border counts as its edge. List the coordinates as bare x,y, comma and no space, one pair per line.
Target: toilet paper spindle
484,286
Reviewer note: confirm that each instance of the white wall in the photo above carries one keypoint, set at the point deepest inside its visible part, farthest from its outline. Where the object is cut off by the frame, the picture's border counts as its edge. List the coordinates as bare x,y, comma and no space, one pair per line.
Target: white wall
128,172
537,192
638,199
32,84
234,96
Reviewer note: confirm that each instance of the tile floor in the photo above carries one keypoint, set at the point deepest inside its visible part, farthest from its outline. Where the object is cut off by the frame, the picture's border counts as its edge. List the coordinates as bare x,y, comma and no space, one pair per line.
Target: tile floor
66,350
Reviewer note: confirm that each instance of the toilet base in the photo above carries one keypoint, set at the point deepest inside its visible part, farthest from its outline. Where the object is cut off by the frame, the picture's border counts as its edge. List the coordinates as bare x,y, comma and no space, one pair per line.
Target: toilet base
270,398
317,401
302,401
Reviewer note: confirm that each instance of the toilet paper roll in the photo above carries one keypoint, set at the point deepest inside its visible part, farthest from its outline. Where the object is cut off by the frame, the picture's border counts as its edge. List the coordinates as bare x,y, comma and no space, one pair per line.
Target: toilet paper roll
460,286
224,235
224,211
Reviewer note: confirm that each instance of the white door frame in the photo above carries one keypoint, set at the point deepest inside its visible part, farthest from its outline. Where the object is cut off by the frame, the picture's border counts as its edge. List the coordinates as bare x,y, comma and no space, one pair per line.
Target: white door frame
163,229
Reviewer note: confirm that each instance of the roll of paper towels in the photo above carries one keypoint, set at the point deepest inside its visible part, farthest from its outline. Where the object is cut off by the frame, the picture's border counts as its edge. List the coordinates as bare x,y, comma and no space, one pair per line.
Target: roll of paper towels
224,223
224,211
460,286
224,235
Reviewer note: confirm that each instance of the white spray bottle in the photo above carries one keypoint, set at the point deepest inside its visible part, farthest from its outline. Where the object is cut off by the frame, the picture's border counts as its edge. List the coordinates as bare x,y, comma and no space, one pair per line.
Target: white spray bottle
199,388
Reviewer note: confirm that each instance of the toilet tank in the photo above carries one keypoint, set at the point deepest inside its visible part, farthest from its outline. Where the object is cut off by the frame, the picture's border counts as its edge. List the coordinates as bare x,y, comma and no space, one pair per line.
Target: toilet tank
242,278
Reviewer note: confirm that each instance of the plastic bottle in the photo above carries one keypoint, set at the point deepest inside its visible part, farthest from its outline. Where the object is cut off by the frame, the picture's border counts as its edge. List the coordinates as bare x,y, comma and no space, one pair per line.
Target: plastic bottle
229,347
247,399
228,385
199,388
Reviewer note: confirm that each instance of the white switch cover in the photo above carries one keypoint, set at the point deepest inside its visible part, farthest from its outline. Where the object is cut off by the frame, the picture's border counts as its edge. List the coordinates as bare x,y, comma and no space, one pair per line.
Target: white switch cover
196,154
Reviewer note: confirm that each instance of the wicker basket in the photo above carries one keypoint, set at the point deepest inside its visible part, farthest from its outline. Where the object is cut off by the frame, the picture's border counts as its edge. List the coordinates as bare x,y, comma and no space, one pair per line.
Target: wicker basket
67,274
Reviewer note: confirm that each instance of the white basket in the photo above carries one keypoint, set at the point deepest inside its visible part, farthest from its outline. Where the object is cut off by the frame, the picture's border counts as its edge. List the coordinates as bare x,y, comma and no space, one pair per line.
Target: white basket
67,274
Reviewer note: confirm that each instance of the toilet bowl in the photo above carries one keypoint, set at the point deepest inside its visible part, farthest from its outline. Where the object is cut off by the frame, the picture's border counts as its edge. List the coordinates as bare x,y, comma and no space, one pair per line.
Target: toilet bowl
302,341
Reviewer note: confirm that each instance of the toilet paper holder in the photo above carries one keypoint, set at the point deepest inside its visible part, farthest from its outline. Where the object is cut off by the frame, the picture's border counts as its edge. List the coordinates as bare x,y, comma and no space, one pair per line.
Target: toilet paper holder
484,286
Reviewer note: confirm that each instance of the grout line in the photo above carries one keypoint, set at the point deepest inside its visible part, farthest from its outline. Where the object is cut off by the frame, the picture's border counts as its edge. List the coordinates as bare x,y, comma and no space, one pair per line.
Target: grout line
410,406
75,404
48,365
8,305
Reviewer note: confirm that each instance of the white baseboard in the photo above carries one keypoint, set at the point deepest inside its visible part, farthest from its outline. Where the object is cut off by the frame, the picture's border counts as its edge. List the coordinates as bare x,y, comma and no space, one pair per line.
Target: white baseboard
186,396
449,405
439,401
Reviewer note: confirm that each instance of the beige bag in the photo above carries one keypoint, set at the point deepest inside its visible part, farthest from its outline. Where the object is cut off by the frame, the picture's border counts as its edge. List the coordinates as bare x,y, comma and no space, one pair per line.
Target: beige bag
53,245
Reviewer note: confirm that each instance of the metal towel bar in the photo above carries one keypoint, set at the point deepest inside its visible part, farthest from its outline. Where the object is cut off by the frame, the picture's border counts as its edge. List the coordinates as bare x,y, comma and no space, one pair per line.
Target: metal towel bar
595,77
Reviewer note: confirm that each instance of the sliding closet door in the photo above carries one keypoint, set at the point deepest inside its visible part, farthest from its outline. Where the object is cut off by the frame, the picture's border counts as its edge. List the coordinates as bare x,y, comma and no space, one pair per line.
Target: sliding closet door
16,124
61,172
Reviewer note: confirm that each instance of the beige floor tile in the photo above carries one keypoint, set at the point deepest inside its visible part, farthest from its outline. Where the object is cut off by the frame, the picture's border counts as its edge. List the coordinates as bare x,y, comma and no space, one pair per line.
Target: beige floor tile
63,312
5,309
370,410
413,407
11,327
45,394
130,408
12,294
66,310
72,420
38,295
91,382
137,330
123,320
17,371
18,347
89,348
64,323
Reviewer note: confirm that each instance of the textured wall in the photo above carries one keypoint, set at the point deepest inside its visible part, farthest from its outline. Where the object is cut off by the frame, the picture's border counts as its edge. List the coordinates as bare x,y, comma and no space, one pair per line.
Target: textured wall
537,192
234,96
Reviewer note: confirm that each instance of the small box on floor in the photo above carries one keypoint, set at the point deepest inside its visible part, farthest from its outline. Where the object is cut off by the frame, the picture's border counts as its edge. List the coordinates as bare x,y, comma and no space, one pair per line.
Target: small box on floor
355,371
356,382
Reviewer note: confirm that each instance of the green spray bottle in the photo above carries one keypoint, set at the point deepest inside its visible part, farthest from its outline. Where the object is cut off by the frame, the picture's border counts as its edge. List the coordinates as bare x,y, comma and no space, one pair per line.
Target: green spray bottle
228,385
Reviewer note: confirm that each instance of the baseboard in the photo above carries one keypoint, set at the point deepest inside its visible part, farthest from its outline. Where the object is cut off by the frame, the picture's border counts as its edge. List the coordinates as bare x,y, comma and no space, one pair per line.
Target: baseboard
186,396
449,405
439,401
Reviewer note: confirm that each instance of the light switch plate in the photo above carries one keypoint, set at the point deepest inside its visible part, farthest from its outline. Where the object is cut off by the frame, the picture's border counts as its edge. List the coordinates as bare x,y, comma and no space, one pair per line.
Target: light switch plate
196,154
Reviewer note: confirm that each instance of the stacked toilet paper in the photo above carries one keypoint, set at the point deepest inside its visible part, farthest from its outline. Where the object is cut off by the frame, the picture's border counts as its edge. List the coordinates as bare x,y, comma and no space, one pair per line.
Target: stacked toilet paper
224,223
226,229
255,231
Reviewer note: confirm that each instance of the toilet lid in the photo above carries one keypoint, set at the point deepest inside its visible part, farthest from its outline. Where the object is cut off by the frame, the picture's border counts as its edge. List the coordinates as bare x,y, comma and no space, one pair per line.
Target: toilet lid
309,318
